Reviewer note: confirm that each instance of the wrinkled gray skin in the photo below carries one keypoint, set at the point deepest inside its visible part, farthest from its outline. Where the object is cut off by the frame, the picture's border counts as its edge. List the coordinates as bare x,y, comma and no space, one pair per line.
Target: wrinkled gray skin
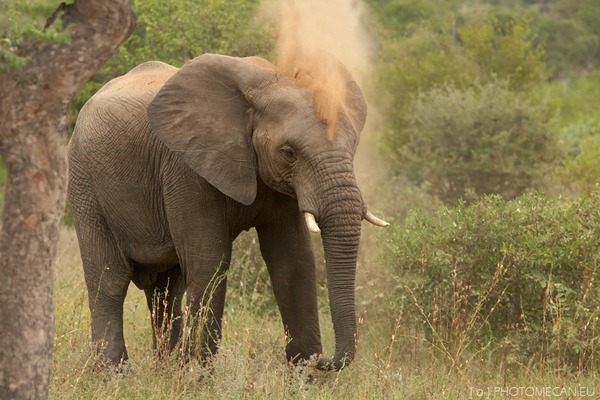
168,166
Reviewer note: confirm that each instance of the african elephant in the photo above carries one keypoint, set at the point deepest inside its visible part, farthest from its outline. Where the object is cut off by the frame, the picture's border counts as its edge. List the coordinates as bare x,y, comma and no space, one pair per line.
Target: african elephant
167,166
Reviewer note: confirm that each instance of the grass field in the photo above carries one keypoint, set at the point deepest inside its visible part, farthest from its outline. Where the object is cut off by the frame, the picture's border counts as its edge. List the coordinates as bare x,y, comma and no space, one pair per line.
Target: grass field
395,360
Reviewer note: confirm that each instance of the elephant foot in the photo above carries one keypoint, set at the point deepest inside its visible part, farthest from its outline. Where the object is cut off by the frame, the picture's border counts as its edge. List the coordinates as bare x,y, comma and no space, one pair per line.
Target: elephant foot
329,364
301,353
102,363
108,358
305,372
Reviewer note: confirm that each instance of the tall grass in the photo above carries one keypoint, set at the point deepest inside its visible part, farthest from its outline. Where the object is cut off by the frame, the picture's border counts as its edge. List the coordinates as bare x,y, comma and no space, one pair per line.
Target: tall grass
397,357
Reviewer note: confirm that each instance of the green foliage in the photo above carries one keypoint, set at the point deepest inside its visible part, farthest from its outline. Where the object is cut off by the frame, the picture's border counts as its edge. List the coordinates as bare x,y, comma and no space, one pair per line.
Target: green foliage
485,137
401,15
416,63
481,50
504,50
23,22
571,33
568,30
522,274
583,171
578,98
462,110
177,31
404,16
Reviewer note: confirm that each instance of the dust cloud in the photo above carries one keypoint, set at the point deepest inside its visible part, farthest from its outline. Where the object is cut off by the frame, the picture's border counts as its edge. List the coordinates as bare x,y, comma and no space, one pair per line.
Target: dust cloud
307,28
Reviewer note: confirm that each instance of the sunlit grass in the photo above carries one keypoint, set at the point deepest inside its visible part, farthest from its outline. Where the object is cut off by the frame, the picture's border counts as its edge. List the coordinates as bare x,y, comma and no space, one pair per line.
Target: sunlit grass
395,359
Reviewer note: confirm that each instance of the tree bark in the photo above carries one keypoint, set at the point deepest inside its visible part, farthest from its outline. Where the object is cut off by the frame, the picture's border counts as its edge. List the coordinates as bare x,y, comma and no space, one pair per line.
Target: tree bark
34,103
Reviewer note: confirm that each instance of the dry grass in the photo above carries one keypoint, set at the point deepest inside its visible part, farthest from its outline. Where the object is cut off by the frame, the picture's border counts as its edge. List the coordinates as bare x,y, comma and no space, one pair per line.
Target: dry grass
395,359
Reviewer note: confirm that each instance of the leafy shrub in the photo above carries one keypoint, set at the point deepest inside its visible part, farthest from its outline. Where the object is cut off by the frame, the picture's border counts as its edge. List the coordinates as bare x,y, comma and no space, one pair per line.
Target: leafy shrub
578,98
583,171
571,33
177,31
503,50
462,111
474,50
488,138
522,274
22,21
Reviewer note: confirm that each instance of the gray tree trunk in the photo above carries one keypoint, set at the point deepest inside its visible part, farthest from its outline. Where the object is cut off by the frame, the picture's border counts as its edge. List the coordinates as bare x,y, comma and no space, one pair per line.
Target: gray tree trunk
34,102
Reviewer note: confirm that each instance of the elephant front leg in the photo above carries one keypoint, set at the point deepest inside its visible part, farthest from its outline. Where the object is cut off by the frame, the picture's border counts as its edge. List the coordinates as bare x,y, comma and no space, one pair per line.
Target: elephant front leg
287,251
164,301
205,305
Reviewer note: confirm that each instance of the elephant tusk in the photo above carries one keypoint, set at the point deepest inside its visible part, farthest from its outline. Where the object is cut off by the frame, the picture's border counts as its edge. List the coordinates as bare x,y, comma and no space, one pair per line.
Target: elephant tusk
375,221
311,223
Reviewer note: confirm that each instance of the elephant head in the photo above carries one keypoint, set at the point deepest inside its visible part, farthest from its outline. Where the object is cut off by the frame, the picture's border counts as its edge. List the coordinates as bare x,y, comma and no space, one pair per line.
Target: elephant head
236,120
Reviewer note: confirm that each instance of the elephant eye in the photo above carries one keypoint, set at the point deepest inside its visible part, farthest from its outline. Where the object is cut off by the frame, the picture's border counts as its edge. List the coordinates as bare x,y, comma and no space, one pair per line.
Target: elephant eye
288,153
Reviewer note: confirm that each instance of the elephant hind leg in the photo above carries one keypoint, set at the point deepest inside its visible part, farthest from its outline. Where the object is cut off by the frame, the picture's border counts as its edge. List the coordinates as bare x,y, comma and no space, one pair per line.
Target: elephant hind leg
107,272
164,298
107,275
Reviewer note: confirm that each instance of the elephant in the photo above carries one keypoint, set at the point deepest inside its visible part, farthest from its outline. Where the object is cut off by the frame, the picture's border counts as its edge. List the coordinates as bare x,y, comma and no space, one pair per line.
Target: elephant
168,165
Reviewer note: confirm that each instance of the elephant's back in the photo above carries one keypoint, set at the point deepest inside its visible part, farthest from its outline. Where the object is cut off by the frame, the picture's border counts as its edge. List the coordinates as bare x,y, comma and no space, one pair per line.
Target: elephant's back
144,80
117,114
124,97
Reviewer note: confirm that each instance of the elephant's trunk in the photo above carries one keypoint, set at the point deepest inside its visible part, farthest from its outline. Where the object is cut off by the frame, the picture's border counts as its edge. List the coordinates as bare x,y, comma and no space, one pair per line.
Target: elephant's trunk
340,223
341,248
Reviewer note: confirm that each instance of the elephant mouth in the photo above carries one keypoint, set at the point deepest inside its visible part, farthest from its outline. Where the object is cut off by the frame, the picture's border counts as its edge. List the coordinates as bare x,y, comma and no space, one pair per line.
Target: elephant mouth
283,186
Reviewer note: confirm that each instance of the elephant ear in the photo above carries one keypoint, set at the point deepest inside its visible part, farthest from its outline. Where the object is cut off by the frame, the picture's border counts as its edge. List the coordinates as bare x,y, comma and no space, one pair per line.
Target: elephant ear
354,102
201,115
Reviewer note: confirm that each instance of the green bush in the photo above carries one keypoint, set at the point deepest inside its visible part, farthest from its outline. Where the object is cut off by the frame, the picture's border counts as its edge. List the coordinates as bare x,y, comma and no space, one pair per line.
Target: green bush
476,50
463,110
583,171
571,33
177,31
23,21
487,138
577,98
521,275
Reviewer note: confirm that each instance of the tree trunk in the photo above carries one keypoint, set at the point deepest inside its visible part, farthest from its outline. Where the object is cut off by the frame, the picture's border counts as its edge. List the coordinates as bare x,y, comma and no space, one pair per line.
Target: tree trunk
34,102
